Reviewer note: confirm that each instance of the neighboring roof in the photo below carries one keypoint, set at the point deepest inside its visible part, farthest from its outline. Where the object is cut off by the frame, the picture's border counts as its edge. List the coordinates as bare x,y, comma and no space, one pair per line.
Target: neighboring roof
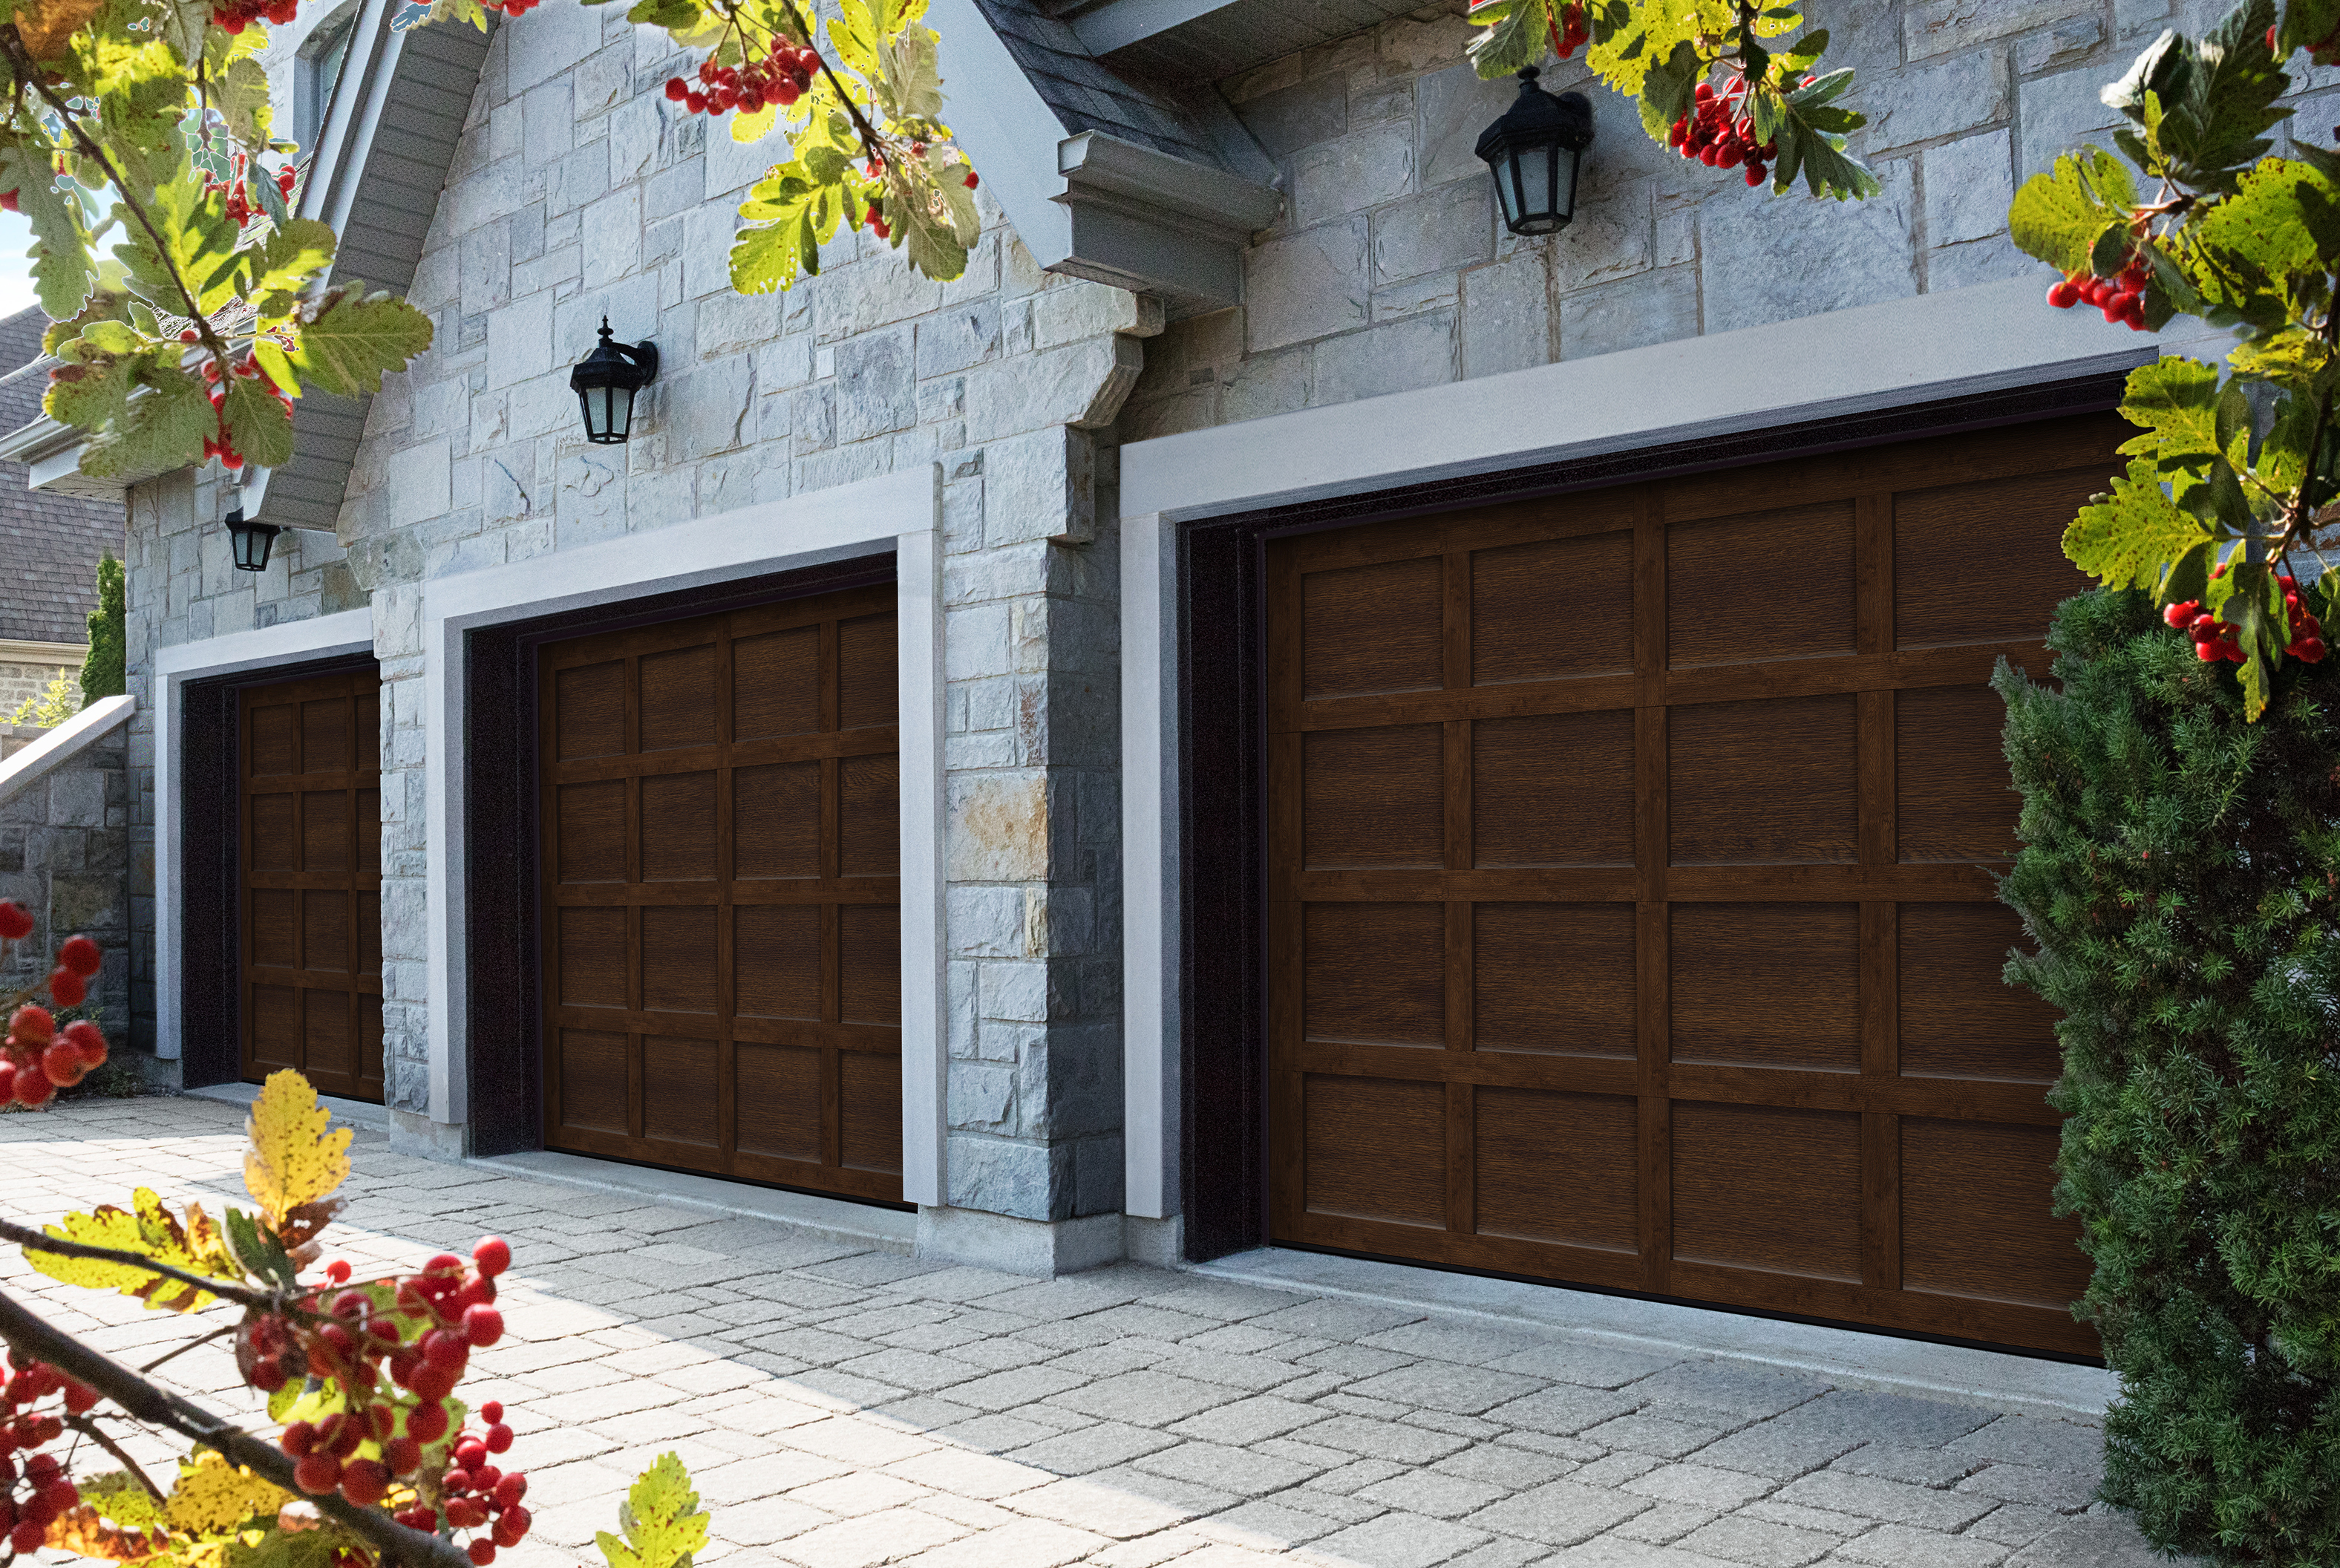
49,543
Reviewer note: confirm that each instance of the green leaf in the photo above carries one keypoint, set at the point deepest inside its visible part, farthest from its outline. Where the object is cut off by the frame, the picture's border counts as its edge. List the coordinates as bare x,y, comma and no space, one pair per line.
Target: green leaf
2163,71
294,255
349,340
62,268
2307,23
119,1496
241,98
1513,39
150,1230
261,428
270,355
255,1246
2061,217
2269,225
2127,537
197,242
660,1519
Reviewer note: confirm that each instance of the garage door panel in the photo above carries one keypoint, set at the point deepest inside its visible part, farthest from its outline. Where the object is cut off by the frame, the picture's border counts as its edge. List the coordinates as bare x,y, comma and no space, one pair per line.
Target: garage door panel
679,1090
1629,862
1553,978
678,697
1557,1167
1762,1188
1375,974
1984,561
1374,797
590,701
1958,1019
679,959
1973,1224
1766,985
748,941
1554,609
1954,800
308,938
1551,789
1760,586
1373,629
1375,1150
1764,783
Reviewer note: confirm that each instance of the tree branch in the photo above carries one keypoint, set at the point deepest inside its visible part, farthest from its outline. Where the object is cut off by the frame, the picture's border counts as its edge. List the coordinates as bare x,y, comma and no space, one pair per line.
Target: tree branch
225,1289
33,1339
98,1434
870,140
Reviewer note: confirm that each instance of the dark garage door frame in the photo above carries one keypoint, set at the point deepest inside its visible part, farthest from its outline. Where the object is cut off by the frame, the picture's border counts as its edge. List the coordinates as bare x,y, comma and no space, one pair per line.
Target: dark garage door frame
1224,727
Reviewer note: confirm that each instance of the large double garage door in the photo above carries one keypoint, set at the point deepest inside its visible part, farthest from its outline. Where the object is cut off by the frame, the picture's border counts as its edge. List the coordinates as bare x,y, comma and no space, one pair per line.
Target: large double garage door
1631,909
720,845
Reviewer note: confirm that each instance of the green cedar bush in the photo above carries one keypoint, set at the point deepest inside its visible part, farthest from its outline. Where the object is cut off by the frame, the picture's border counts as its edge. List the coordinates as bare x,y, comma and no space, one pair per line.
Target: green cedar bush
2180,875
103,672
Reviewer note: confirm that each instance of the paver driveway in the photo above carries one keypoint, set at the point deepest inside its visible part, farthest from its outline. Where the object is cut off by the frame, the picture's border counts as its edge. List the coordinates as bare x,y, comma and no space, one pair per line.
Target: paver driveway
844,1408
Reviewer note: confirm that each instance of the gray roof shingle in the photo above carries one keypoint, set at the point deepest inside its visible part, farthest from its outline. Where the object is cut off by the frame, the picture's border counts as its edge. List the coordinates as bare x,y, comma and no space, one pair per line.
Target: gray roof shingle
49,543
1088,95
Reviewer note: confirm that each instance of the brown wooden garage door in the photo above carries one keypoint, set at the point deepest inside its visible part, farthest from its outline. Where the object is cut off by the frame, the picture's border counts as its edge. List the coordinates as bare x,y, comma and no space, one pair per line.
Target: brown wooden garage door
310,765
721,912
1631,906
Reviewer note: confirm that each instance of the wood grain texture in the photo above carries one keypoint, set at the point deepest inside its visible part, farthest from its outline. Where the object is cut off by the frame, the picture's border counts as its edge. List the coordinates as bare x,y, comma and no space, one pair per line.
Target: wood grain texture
1629,904
310,883
721,893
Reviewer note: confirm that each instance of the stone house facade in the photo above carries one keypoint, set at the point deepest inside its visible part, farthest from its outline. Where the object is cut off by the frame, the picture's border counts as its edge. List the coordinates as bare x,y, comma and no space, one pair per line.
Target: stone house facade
1272,279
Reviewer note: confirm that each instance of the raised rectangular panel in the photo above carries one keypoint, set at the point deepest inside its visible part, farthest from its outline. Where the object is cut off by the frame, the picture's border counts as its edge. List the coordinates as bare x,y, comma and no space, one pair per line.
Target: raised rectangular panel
1766,985
590,715
1374,974
867,690
1553,790
270,736
776,1099
593,958
775,684
1553,978
1760,585
869,1111
325,831
1959,1019
677,698
869,964
869,816
1557,1167
275,927
592,831
1374,798
775,960
679,958
1984,562
1372,628
1374,1149
1978,1215
1954,799
1768,1187
776,820
1764,783
593,1072
678,832
679,1091
1552,610
325,736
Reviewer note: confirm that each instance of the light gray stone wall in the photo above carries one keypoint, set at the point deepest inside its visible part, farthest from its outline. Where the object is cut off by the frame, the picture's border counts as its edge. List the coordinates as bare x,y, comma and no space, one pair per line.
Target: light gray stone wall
1390,271
579,190
64,859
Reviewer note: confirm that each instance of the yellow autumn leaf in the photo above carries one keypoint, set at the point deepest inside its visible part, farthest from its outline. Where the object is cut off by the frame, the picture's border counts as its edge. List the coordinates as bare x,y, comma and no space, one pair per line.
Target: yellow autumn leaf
152,1231
211,1495
46,25
82,1532
294,1161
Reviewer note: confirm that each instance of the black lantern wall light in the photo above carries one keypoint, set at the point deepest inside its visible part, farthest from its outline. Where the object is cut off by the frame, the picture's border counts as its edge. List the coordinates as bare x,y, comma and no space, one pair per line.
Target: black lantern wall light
249,540
605,383
1535,151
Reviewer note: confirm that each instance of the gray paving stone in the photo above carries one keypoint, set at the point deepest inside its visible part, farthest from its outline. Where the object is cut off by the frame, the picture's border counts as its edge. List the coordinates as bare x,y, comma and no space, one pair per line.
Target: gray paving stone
1008,1390
1271,1523
2047,1445
1091,1448
1740,1392
2101,1540
1563,1410
1903,1546
1743,1540
1055,1298
1620,1550
1891,1501
1140,1398
1344,1479
2016,1523
995,1433
1501,1464
1224,1299
1450,1342
1667,1522
1441,1386
1915,1466
1593,1365
1248,1421
1401,1541
1428,1492
1252,1374
1700,1485
1647,1434
1383,1440
1773,1512
1334,1318
1559,1513
1502,1551
2066,1491
1615,1469
1356,1361
1191,1499
1241,1471
1898,1420
1784,1448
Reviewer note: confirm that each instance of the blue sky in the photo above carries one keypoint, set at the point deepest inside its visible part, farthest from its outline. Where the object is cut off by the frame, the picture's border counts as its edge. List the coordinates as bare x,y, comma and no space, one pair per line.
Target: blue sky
15,267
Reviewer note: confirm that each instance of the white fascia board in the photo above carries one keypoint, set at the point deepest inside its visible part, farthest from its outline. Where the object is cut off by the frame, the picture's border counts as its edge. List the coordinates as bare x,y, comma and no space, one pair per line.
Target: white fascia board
63,743
899,512
1005,126
349,632
1846,362
1118,24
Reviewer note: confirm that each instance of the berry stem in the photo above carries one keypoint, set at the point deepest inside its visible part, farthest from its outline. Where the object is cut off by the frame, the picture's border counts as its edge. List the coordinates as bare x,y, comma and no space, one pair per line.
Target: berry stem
89,1428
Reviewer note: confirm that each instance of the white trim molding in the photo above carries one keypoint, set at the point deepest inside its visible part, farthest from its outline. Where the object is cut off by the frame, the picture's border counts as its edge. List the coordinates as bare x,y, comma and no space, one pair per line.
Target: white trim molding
900,513
349,632
17,651
67,740
1903,351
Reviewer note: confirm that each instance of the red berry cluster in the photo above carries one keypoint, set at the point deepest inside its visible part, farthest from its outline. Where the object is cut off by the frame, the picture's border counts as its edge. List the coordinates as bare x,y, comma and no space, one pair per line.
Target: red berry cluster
475,1495
358,1342
48,1494
2215,639
517,7
1569,30
1719,135
222,445
236,188
782,76
235,15
38,1059
2121,297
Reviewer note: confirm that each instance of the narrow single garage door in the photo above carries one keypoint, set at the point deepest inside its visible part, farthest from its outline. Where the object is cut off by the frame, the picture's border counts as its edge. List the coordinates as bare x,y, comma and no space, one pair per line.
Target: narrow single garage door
310,771
1631,909
722,914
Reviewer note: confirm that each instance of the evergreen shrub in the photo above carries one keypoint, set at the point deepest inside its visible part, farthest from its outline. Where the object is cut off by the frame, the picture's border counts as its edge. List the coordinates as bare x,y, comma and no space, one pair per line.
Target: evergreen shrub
2180,874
